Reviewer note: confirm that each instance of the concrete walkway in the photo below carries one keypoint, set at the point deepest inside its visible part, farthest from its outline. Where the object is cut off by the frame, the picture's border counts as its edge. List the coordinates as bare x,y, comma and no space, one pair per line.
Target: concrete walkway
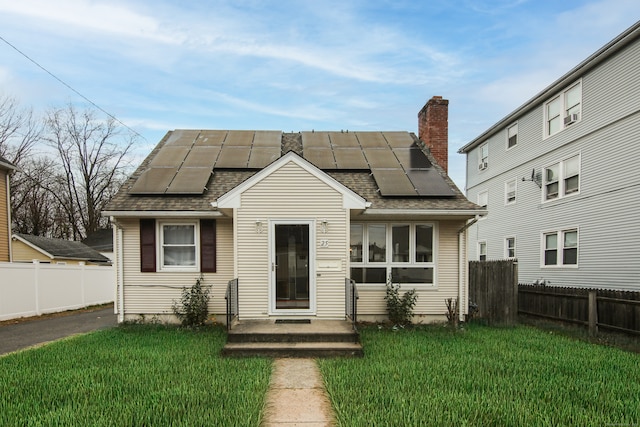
297,396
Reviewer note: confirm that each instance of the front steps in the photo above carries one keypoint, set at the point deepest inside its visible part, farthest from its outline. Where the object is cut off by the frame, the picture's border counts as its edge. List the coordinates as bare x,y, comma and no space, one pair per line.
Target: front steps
319,338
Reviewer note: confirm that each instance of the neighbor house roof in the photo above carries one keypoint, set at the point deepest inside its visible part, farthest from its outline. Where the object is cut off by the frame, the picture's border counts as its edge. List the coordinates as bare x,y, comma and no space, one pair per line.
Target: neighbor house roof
361,181
101,240
61,249
6,164
601,55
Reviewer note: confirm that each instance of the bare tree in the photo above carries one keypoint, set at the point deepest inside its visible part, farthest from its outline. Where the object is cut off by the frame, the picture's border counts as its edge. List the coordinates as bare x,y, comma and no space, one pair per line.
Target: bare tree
19,130
92,155
33,206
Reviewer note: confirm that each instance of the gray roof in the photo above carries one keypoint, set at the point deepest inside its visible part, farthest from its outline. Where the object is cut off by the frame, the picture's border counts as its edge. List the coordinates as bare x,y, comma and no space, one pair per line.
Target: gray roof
101,240
6,164
224,180
601,55
64,249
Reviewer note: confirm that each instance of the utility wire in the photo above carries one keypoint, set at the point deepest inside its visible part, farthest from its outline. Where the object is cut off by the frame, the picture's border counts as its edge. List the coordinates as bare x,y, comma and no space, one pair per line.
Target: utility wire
71,88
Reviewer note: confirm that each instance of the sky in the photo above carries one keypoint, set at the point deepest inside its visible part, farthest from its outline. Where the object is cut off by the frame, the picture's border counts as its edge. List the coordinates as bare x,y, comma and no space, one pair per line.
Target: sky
297,65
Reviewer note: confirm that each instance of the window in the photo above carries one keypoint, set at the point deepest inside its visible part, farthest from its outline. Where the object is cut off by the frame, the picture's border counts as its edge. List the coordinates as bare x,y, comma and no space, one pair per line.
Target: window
482,251
510,247
563,110
560,248
177,245
562,179
402,251
483,157
512,136
510,192
483,200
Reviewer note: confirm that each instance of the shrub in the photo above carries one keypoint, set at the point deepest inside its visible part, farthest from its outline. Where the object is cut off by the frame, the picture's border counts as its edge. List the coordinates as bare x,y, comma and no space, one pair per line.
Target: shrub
193,308
400,308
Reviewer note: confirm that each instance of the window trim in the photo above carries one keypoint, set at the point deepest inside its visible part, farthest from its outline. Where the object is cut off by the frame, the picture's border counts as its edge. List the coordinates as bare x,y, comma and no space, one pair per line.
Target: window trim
506,247
560,248
507,202
389,264
513,125
479,202
160,246
562,192
562,96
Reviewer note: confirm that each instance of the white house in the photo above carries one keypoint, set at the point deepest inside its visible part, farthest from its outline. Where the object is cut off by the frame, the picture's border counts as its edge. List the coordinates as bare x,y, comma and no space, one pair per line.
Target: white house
292,217
559,176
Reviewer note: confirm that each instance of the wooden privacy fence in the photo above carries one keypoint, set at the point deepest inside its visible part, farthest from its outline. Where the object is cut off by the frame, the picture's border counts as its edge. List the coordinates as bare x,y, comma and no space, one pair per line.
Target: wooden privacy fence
493,287
595,308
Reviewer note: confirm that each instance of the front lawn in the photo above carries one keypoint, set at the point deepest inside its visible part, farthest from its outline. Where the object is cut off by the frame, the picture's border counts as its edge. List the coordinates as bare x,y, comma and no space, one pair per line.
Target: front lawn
133,376
483,376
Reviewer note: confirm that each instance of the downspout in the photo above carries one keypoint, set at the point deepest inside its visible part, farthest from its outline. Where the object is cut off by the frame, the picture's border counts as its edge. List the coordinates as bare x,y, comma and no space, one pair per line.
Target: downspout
119,306
9,216
463,277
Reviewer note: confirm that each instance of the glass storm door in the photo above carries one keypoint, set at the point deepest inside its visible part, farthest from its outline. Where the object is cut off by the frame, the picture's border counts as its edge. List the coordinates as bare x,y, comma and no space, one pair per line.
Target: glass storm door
291,266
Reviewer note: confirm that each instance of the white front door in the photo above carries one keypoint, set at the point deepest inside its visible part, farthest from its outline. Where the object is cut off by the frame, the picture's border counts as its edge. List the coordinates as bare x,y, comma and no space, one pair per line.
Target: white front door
292,274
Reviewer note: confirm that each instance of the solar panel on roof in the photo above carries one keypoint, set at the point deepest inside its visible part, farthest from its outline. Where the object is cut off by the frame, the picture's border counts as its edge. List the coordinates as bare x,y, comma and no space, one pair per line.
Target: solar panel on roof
170,156
233,157
211,138
399,139
429,182
343,140
239,138
412,158
393,182
189,181
320,157
350,158
202,156
268,138
315,140
154,181
184,137
372,140
263,156
381,158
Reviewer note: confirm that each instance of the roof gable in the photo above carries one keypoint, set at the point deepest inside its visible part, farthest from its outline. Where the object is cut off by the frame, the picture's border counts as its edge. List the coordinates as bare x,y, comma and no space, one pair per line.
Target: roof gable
350,200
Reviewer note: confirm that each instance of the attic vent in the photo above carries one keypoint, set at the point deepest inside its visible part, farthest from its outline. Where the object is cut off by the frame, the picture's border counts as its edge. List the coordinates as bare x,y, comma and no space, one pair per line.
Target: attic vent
571,118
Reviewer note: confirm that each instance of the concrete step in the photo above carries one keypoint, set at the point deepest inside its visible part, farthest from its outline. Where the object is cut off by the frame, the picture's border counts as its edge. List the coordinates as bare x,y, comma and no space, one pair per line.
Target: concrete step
293,337
293,349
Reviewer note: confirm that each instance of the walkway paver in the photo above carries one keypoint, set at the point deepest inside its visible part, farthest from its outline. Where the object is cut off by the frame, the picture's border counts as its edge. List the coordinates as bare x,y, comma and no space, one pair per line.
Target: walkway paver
297,396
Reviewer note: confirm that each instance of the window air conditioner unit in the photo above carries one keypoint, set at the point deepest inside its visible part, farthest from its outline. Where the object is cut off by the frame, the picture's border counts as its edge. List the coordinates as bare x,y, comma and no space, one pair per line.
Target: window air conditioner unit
571,118
482,166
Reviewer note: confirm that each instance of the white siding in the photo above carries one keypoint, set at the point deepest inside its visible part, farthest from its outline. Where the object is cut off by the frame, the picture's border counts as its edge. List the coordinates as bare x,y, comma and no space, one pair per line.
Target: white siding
606,209
154,293
290,193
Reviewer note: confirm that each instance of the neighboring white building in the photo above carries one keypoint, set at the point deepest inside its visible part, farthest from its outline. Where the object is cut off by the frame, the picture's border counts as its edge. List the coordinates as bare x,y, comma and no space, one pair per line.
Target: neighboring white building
560,176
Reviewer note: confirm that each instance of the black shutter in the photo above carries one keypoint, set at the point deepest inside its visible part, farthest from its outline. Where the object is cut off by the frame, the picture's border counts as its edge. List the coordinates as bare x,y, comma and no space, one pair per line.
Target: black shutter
147,245
208,245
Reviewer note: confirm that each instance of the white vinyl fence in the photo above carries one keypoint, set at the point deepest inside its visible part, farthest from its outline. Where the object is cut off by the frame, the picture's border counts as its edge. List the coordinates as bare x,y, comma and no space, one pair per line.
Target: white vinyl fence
32,289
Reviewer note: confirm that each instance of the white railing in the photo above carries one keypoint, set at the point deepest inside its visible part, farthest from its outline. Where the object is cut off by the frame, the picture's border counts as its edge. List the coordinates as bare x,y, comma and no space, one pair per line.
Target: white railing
32,289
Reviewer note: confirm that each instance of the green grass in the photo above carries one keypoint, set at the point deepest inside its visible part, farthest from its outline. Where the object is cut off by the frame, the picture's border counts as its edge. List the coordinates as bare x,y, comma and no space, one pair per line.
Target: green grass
133,376
483,376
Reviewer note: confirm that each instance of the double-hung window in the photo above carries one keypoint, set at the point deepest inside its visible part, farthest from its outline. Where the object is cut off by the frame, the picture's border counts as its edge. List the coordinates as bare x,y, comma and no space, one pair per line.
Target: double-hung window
560,248
482,251
512,136
563,110
404,252
178,245
510,192
510,247
483,157
562,179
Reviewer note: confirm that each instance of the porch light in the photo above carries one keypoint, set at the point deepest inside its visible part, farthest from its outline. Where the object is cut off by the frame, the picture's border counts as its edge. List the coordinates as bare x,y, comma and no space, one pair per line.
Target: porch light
258,226
324,226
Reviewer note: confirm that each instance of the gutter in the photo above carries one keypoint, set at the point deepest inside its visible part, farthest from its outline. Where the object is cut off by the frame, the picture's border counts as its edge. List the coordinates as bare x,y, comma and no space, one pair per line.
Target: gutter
162,214
426,212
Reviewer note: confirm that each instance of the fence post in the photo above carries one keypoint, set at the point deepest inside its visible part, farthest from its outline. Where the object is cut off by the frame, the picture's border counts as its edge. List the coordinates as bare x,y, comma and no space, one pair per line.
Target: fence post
36,284
593,313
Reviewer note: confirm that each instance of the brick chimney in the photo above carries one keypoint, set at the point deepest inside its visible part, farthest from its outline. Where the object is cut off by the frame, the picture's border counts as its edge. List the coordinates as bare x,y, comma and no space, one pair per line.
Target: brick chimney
433,128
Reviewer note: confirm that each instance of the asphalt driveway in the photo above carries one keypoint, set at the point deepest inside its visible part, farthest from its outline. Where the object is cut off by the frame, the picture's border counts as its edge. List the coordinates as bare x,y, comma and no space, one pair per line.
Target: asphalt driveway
19,334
